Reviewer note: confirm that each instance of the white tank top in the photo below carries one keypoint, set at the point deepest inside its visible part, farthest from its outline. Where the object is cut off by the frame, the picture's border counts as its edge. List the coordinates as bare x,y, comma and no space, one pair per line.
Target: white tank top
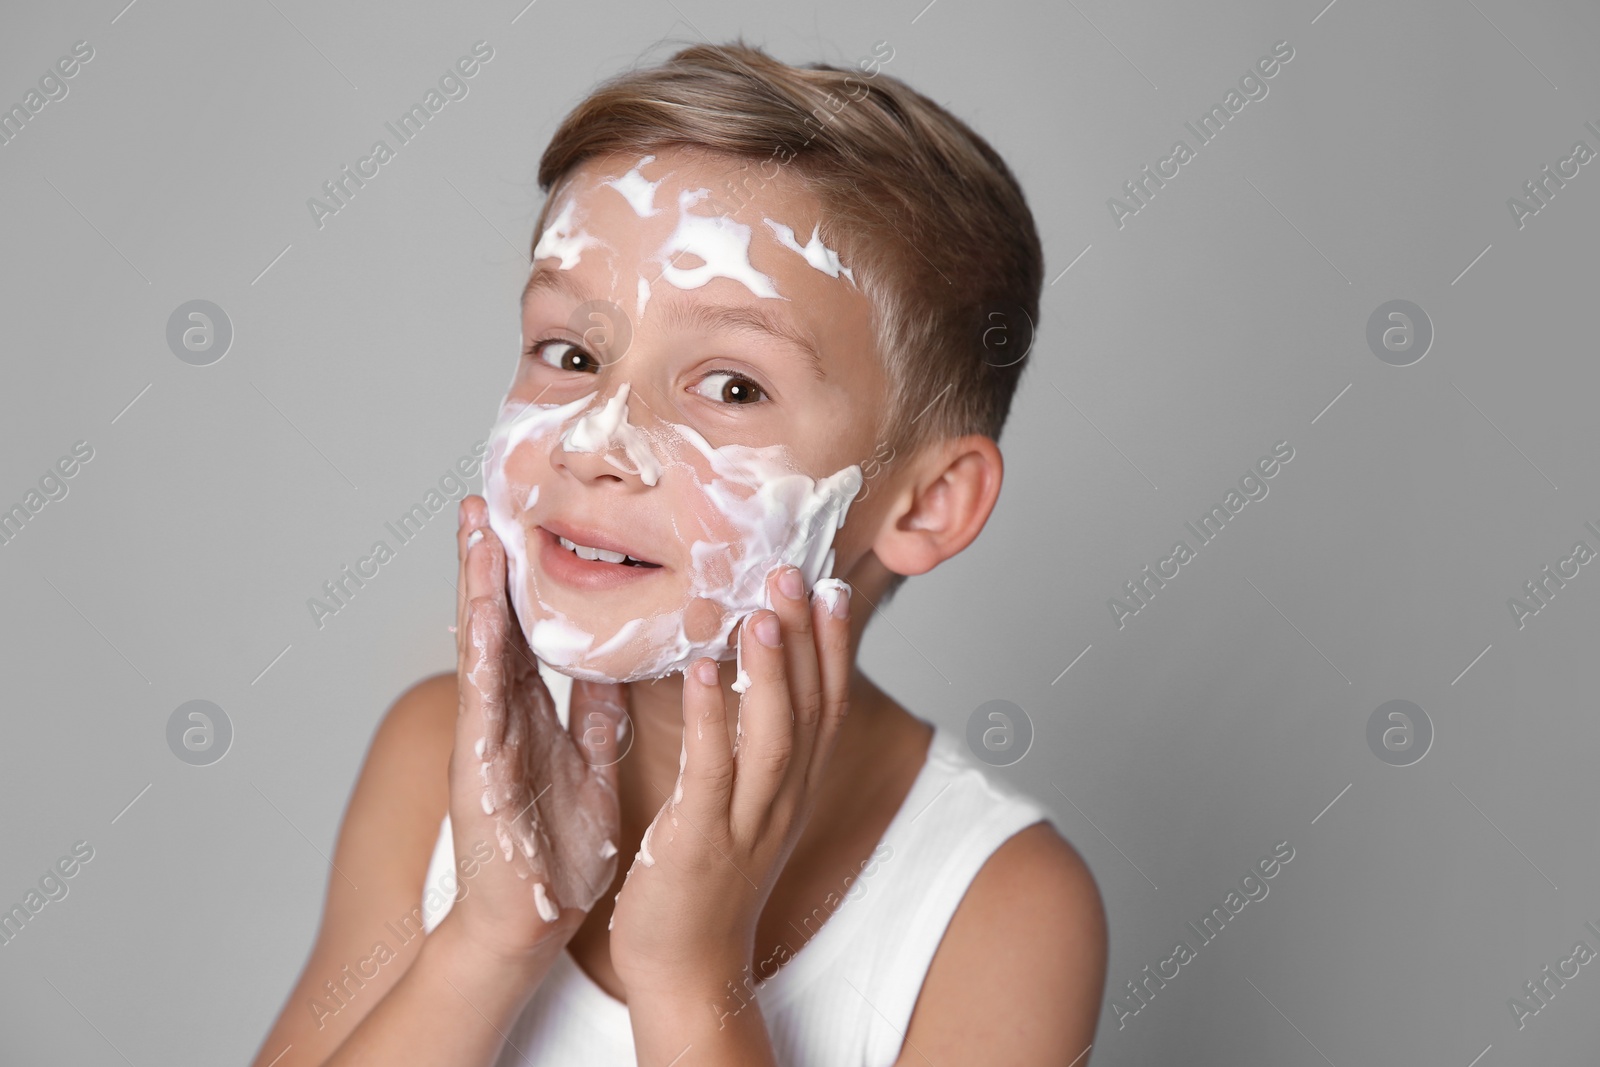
844,999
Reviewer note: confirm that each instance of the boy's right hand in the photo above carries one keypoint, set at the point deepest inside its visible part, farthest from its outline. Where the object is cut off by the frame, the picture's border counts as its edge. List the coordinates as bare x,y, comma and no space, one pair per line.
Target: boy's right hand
555,816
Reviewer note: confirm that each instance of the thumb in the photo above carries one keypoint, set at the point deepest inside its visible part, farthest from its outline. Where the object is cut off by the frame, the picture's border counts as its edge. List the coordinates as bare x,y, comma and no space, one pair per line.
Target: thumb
597,718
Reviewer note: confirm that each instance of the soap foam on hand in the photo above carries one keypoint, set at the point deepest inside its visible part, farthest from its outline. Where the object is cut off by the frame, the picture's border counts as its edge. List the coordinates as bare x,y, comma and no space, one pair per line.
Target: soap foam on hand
753,508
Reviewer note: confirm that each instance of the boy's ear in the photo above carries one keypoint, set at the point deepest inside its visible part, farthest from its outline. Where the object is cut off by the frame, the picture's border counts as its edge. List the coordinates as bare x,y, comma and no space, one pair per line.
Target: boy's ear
942,505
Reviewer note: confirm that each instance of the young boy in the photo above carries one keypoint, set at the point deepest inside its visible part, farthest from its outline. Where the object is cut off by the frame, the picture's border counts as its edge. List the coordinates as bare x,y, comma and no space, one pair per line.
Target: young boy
758,361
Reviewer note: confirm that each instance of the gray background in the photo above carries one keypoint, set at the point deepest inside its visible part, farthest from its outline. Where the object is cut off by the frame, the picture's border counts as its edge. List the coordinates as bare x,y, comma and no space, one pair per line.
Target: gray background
1229,314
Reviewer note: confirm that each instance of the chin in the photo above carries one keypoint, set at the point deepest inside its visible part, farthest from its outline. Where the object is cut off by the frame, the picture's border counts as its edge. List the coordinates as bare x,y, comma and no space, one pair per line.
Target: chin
652,645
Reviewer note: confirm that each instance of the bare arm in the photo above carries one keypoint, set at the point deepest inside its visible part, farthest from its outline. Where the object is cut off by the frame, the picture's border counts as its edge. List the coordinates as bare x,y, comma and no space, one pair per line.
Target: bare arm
484,744
453,1005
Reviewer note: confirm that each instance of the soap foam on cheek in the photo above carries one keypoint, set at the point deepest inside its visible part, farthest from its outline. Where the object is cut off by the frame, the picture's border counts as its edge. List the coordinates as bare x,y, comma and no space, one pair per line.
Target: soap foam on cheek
779,516
772,515
521,422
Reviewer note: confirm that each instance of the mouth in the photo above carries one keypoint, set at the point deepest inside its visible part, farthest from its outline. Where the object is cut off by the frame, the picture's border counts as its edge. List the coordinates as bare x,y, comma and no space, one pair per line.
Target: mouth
590,559
602,555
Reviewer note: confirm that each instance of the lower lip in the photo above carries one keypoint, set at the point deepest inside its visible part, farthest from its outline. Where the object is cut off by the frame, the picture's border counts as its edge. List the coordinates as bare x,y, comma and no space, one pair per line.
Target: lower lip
565,567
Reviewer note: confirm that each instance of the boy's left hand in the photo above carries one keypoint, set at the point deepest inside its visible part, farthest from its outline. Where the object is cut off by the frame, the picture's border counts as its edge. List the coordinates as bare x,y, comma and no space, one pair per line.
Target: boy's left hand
684,925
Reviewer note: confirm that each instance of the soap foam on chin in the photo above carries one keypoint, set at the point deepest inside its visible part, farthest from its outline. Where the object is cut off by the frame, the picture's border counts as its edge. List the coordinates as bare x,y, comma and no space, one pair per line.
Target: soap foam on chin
775,514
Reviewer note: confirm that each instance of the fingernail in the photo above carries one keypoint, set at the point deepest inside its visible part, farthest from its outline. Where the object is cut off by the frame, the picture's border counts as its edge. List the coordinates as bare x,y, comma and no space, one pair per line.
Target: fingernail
841,602
767,631
474,537
706,672
789,583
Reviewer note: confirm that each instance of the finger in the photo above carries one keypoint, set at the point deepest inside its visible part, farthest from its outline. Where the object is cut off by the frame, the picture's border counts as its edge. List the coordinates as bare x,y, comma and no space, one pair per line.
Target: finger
471,515
787,595
483,693
766,724
830,608
484,589
597,719
707,775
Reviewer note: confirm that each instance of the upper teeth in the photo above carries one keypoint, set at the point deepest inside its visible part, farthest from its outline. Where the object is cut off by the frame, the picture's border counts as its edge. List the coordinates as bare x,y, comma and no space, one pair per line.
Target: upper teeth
585,552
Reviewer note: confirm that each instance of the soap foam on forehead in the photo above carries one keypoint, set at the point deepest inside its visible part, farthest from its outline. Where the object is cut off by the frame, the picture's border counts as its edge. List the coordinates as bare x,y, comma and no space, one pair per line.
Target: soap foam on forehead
639,193
562,238
721,243
815,252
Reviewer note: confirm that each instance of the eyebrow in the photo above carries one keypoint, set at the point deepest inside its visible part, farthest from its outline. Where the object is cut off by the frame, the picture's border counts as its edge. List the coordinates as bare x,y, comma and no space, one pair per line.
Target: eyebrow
743,318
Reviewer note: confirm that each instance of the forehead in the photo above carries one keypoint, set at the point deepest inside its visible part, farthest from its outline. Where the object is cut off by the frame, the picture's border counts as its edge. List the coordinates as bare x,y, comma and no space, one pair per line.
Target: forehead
668,224
641,198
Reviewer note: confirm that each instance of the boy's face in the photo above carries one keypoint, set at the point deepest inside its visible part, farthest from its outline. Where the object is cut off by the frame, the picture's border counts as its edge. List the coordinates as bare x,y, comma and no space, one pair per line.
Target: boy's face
651,414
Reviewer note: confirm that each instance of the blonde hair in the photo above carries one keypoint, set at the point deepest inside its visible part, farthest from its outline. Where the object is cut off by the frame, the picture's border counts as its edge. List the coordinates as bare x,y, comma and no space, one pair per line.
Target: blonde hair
929,218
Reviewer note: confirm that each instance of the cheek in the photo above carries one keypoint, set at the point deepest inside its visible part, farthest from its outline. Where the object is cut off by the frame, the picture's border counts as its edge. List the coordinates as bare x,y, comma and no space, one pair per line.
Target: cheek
702,619
528,465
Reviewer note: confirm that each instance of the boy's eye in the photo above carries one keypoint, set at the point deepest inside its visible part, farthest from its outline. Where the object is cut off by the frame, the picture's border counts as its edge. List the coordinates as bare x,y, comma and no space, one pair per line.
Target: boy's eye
573,358
729,388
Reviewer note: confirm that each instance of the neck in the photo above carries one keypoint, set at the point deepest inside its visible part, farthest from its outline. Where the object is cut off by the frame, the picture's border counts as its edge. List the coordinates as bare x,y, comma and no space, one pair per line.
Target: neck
647,774
649,771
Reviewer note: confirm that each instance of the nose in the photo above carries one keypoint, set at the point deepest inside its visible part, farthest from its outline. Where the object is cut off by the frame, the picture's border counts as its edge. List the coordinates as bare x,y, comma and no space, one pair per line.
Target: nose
601,444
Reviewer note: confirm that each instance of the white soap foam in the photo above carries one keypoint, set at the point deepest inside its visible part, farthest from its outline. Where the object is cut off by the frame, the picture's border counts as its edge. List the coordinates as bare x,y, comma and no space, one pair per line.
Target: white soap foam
639,193
644,845
830,590
815,252
722,244
608,430
548,911
563,238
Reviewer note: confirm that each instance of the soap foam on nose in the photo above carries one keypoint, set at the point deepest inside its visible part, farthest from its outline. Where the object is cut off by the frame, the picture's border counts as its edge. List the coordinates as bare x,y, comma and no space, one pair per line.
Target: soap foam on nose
608,430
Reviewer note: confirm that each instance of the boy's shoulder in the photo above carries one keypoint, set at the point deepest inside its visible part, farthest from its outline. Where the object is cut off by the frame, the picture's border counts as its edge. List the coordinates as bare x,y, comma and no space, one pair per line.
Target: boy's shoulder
1021,967
414,740
424,714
